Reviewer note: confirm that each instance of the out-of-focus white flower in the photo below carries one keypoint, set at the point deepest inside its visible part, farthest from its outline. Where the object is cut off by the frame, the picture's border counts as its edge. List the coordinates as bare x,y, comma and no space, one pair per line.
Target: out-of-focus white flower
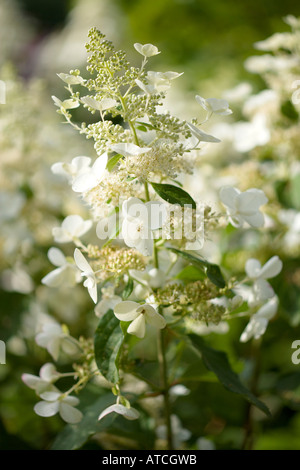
214,105
71,79
44,382
291,219
108,302
205,444
203,329
72,228
103,105
66,274
128,413
244,206
128,149
66,104
56,402
200,135
179,390
276,41
139,315
54,339
267,101
90,283
11,205
76,168
269,63
147,50
92,176
180,434
239,93
139,220
248,135
259,321
153,278
16,280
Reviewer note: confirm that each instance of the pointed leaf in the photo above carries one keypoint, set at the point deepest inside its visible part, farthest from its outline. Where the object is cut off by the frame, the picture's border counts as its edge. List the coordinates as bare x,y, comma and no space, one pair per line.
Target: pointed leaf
173,194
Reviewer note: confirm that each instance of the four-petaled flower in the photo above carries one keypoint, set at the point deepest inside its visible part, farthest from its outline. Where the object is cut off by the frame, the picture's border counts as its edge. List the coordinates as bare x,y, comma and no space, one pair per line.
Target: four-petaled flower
66,273
261,289
90,283
91,177
56,402
72,228
139,315
244,206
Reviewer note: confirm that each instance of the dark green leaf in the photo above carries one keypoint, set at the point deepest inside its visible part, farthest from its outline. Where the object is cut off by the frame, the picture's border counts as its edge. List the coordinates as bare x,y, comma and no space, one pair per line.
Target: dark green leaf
108,342
212,271
190,273
173,194
217,362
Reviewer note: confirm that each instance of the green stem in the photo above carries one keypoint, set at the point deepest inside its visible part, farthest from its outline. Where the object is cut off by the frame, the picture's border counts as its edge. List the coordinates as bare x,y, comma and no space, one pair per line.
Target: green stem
165,387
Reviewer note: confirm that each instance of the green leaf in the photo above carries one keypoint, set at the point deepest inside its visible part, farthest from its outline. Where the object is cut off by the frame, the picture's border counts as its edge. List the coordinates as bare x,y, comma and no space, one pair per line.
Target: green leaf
212,271
217,362
128,289
74,436
173,194
190,273
113,161
108,342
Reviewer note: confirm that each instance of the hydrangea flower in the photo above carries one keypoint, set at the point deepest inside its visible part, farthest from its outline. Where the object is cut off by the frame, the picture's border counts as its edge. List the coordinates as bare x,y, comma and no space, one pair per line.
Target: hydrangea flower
66,273
157,82
244,206
55,339
259,321
108,302
139,315
66,104
72,228
90,283
147,50
56,402
200,135
102,105
214,105
261,289
44,382
70,171
139,220
128,413
71,79
91,177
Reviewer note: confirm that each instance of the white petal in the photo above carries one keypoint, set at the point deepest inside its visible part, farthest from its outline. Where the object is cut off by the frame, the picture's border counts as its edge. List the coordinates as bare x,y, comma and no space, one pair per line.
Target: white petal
126,311
48,372
56,257
147,50
256,220
229,197
272,268
84,183
156,320
132,207
69,414
250,200
93,292
252,268
81,164
138,326
81,262
99,166
129,413
202,136
129,149
268,310
55,278
30,380
46,409
50,396
70,400
145,244
202,101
